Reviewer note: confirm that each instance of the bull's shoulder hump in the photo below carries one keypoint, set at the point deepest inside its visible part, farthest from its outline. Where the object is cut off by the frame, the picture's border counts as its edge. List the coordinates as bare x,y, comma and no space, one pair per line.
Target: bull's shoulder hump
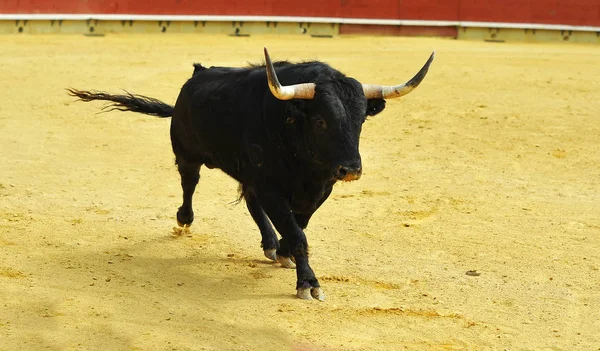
198,68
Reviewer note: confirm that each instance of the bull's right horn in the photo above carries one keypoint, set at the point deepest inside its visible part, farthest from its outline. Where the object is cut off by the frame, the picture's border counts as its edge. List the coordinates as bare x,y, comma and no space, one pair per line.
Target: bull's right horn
297,91
373,91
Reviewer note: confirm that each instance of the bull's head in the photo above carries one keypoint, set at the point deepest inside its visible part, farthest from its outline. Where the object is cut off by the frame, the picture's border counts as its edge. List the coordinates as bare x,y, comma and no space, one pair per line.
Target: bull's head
334,121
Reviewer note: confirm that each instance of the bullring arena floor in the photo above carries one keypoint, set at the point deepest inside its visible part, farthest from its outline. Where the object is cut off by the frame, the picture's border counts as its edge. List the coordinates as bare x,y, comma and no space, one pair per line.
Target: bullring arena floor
491,165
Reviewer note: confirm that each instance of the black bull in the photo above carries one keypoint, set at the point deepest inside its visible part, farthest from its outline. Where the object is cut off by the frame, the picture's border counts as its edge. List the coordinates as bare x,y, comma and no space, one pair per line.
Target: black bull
287,145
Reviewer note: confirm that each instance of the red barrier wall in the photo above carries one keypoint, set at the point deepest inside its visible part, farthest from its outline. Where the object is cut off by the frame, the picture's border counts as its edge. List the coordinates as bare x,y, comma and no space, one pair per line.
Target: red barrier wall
572,12
441,10
312,8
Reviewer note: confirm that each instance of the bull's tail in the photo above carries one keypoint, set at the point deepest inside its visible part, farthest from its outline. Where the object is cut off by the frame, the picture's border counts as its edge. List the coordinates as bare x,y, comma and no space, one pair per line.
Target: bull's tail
126,102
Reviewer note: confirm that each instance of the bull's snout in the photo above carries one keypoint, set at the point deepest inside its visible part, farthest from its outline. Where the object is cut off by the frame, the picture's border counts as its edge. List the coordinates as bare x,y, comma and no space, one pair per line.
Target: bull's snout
348,173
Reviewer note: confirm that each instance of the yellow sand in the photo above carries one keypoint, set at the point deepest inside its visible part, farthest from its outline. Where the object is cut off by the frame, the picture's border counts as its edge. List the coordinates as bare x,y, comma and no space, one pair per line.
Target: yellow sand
492,165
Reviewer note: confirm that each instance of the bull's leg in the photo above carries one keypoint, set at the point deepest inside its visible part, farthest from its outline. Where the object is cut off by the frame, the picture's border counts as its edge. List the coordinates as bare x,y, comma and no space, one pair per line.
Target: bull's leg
284,255
279,211
269,238
190,175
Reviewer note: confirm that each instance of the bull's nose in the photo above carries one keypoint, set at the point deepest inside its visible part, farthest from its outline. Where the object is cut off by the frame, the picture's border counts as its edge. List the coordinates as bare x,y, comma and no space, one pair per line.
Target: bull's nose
347,173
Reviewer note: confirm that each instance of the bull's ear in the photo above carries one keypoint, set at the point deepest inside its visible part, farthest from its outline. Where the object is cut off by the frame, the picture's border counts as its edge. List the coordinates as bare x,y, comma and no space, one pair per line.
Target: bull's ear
374,106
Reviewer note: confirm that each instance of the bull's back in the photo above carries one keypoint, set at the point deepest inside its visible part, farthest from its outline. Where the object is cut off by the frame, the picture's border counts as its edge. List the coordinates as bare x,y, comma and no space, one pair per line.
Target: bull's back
211,115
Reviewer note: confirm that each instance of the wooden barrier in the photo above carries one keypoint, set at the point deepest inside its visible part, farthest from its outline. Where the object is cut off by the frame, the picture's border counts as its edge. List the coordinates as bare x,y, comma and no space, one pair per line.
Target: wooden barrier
477,19
573,12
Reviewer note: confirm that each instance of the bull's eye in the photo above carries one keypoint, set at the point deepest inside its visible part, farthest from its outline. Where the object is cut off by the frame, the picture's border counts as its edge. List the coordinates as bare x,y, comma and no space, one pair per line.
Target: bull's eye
321,123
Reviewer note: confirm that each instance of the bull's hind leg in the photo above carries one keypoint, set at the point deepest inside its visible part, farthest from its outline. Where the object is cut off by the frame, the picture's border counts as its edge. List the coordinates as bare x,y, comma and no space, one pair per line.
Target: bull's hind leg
273,250
190,175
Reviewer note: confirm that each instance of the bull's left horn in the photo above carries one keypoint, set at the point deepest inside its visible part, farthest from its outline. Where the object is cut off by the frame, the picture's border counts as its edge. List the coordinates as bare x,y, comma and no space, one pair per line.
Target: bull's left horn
297,91
373,91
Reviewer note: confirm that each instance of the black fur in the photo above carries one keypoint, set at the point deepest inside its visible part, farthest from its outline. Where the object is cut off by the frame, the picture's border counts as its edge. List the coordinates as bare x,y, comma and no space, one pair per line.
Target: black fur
287,155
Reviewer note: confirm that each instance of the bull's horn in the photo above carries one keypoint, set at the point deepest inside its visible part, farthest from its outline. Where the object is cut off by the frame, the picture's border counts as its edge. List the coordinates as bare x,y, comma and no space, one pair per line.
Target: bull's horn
298,91
373,91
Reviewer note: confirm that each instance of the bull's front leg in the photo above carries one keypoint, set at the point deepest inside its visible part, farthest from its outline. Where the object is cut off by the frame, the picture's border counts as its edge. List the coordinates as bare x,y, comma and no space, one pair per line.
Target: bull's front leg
279,211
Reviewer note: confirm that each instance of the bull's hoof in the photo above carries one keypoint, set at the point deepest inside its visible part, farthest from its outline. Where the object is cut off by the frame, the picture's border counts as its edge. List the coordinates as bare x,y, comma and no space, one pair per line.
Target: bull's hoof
286,262
310,293
271,254
184,218
184,224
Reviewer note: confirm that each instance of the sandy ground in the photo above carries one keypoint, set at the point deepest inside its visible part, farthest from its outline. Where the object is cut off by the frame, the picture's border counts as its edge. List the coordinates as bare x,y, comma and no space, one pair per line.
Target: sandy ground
492,165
